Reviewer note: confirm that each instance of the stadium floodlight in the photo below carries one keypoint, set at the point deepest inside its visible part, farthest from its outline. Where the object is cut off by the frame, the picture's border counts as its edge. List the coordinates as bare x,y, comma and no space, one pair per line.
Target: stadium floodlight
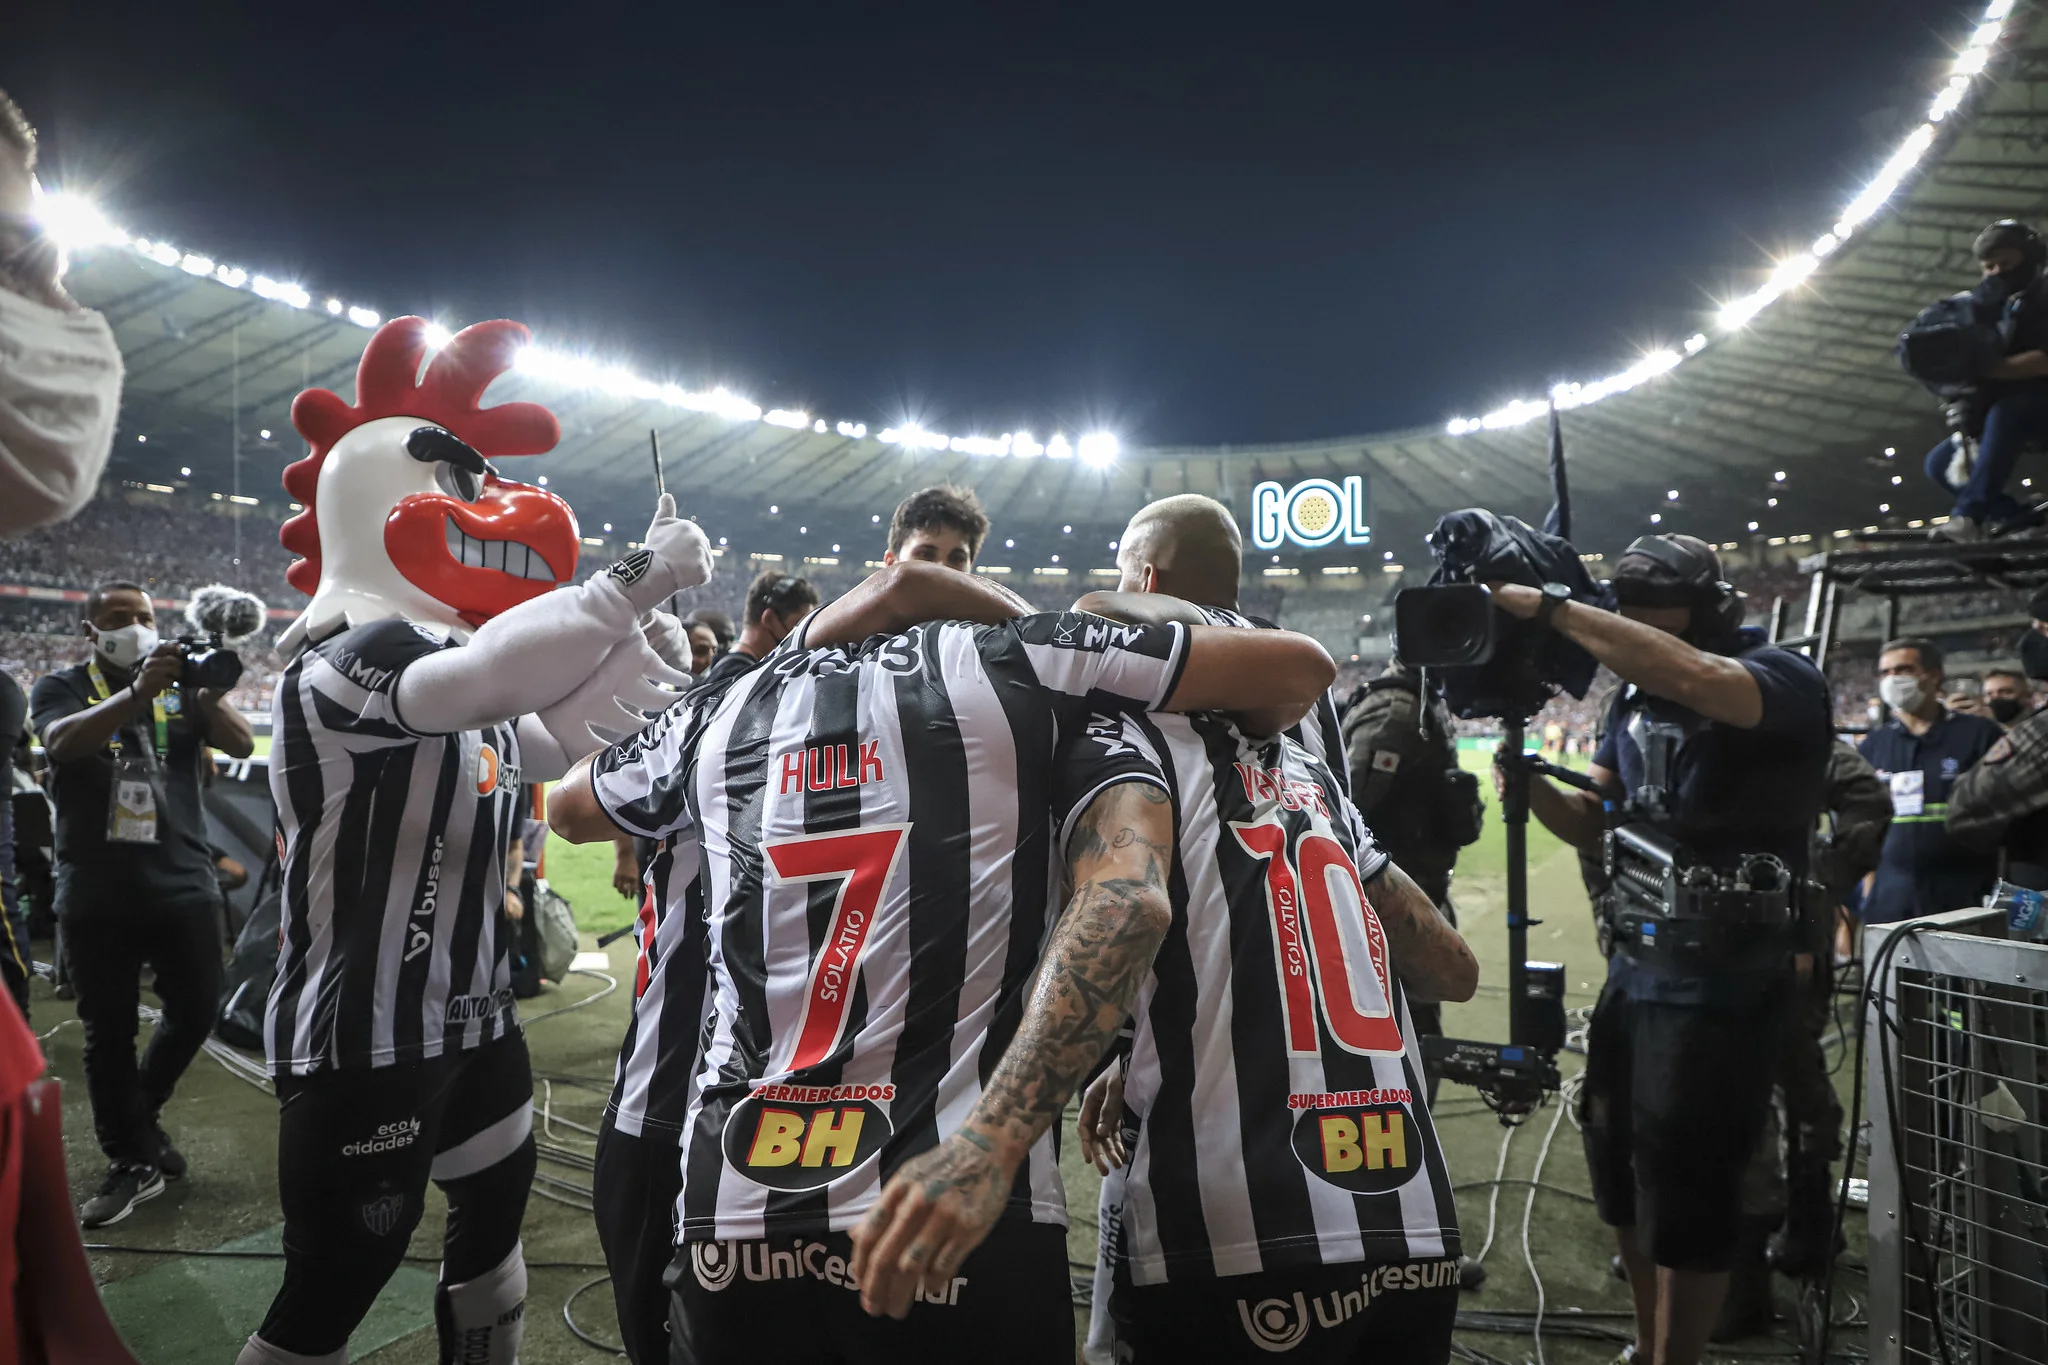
232,276
334,307
785,417
74,223
438,336
1099,449
363,317
819,426
1058,449
195,265
1752,526
1023,444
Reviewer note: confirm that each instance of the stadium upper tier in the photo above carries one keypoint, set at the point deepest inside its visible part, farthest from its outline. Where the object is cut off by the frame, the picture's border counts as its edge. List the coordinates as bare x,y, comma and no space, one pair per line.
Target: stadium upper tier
1796,378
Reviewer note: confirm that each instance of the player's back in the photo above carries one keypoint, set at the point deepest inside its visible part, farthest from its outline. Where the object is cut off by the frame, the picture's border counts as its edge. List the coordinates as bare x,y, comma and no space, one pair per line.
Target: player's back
877,864
1275,1112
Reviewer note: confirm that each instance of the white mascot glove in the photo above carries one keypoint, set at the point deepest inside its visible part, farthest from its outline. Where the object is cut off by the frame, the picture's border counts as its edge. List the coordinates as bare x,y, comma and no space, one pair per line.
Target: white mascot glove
670,642
675,555
616,701
525,660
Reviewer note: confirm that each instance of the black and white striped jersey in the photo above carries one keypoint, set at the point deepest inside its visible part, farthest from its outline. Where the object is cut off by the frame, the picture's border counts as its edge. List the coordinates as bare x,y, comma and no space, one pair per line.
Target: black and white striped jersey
664,1036
671,995
1321,732
394,944
1274,1102
878,863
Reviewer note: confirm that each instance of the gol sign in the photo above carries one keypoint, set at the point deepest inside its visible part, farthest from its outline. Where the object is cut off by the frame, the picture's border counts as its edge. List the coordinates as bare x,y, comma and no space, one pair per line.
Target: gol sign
1313,513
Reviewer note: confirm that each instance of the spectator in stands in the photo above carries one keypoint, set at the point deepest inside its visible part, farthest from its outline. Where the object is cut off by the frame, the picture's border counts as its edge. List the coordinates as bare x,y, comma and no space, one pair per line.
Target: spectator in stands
720,623
2008,694
60,388
776,601
942,525
2010,408
135,877
1919,754
703,648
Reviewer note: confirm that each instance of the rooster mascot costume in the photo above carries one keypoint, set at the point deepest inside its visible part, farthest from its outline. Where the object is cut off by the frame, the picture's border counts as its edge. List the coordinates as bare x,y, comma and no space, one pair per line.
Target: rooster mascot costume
440,664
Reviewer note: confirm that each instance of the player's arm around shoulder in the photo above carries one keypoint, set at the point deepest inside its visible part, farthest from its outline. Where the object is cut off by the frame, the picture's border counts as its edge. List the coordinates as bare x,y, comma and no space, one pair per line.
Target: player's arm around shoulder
939,1206
1433,959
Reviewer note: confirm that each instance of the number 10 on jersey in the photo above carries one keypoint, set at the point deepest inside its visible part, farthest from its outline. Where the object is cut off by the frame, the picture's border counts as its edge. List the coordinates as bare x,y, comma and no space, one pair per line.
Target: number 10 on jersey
1322,926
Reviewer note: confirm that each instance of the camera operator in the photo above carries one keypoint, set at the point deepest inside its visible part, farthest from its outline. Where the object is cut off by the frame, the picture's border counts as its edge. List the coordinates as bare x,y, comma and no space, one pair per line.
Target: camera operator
776,603
135,879
2007,409
1405,780
1719,742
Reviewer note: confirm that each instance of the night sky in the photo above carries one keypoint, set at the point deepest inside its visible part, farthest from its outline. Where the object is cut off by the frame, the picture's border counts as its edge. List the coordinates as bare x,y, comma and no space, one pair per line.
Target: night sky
1234,224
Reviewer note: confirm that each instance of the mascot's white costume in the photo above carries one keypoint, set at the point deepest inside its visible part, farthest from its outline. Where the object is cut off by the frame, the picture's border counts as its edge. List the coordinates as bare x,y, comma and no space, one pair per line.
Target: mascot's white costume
440,664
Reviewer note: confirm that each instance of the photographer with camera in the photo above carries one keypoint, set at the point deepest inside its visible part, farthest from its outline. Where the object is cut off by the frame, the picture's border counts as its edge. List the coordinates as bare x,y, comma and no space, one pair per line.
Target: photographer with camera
126,734
1716,750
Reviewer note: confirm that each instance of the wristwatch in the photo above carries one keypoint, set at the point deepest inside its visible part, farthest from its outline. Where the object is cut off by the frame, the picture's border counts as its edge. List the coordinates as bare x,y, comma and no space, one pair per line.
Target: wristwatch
1555,595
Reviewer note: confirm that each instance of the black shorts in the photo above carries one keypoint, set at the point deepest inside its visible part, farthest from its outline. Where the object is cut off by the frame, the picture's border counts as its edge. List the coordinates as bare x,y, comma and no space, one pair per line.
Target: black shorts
793,1300
355,1150
1671,1112
634,1189
1389,1314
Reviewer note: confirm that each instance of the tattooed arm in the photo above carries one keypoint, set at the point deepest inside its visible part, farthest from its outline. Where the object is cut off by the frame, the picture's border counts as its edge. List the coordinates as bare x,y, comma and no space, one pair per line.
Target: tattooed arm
940,1205
1432,958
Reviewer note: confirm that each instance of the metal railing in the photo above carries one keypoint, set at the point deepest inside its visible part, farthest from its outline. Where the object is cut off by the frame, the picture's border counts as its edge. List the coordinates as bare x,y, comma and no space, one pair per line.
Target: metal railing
1958,1085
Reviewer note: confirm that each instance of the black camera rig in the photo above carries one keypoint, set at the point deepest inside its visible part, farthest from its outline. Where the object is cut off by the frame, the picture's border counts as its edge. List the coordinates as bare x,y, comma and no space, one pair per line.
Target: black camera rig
1661,902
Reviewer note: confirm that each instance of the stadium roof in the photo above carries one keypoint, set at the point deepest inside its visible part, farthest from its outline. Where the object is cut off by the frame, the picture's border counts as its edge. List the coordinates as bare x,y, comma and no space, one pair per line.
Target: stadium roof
1797,377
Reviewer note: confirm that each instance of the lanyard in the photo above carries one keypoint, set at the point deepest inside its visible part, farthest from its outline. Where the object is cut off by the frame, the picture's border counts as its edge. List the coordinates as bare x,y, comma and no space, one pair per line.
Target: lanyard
163,723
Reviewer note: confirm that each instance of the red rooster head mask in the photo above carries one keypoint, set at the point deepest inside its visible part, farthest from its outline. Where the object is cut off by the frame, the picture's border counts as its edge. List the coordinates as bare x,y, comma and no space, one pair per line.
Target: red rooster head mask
404,516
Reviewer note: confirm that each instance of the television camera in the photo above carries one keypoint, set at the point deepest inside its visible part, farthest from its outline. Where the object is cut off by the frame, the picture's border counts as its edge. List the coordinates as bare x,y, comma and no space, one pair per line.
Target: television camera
1485,663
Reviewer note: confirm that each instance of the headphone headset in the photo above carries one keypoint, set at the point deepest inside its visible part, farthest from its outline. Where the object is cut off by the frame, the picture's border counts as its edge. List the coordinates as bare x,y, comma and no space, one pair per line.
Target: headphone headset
1717,598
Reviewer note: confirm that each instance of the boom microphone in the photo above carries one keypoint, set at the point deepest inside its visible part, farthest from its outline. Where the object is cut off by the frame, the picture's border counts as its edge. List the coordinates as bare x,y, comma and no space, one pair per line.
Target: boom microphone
233,615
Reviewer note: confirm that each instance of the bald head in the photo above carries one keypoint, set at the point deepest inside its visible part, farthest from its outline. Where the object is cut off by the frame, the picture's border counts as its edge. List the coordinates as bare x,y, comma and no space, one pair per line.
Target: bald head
1186,546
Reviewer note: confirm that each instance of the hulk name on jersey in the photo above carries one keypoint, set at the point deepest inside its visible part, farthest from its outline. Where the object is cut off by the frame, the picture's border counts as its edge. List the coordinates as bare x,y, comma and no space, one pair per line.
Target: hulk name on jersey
877,860
394,944
1273,1097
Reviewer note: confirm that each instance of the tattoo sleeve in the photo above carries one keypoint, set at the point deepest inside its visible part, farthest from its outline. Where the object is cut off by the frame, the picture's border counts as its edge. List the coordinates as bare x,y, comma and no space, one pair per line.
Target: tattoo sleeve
1432,958
1121,850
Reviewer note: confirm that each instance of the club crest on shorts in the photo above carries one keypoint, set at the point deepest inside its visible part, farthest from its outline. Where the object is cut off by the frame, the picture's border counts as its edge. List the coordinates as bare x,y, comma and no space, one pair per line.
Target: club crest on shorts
1362,1148
381,1214
806,1137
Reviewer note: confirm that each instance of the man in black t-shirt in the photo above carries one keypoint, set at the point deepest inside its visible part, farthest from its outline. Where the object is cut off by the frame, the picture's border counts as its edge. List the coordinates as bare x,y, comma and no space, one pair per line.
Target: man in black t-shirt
1720,742
776,602
135,879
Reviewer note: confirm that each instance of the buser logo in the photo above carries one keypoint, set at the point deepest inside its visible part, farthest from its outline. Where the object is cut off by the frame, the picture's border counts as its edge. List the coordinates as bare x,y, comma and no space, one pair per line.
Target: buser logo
797,1146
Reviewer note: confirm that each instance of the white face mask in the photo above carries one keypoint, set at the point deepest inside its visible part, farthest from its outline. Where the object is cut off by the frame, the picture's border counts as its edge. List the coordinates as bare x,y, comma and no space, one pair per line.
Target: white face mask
126,647
1901,692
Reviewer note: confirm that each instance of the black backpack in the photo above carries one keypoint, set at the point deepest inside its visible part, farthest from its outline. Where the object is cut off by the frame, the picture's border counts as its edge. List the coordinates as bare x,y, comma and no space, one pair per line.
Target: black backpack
1952,345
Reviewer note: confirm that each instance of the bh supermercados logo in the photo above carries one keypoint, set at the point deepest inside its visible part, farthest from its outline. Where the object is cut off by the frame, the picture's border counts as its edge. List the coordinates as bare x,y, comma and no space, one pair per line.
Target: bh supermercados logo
1312,514
1364,1148
804,1137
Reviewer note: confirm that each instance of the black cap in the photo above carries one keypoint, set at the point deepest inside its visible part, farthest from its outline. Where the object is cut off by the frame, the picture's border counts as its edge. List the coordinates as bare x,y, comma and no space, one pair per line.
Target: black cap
2009,232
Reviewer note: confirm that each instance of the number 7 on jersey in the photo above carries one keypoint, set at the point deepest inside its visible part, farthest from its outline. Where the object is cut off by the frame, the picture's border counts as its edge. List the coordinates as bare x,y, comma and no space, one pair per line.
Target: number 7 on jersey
861,861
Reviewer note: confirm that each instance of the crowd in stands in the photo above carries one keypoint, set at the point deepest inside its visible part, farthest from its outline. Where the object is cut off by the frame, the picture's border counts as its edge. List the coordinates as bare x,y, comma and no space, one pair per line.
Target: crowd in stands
173,549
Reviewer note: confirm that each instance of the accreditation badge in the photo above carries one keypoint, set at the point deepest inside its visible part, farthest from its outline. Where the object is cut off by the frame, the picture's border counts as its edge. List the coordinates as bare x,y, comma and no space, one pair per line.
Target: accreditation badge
132,804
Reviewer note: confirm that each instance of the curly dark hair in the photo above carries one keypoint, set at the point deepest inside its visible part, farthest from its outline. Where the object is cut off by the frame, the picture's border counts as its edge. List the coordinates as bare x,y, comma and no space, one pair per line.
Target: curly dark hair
942,504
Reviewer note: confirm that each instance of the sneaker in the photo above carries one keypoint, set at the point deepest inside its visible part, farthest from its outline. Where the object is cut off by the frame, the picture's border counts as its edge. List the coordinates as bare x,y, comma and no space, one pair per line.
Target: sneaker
169,1159
126,1186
